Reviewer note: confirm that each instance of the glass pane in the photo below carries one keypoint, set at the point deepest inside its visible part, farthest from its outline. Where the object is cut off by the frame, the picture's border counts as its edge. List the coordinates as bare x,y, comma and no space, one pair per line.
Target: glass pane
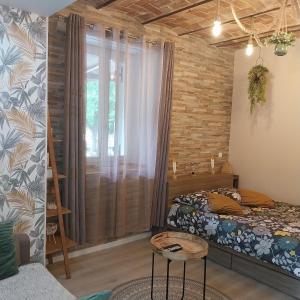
92,117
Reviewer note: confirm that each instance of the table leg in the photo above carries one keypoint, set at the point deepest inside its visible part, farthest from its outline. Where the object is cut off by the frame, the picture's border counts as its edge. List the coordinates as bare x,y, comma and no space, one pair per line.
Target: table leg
168,271
152,275
204,281
183,285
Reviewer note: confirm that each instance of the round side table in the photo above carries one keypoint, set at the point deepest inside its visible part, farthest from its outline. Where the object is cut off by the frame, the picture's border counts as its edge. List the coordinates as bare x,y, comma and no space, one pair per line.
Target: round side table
193,248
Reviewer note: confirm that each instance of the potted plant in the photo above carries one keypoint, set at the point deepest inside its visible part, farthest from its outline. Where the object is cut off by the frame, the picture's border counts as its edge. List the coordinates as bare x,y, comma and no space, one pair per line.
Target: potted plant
257,77
282,40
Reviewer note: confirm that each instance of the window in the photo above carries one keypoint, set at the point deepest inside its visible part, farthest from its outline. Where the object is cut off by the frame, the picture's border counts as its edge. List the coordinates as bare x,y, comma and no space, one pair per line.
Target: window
103,119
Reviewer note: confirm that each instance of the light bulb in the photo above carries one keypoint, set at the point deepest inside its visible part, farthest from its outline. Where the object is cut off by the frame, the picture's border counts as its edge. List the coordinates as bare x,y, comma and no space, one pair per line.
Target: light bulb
249,48
217,28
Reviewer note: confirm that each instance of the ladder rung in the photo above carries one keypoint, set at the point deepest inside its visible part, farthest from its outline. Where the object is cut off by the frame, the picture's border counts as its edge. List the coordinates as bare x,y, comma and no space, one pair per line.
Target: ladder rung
54,247
59,176
54,212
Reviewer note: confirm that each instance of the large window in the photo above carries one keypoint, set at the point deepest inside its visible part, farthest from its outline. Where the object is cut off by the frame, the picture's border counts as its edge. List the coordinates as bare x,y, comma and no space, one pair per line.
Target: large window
101,124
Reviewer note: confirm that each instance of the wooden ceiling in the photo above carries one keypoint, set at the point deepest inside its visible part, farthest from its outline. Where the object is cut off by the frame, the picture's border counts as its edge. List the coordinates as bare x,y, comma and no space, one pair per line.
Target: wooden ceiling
196,16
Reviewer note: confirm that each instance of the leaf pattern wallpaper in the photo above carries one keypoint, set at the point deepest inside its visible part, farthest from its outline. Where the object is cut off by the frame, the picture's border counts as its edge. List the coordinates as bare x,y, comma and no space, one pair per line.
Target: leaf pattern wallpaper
23,87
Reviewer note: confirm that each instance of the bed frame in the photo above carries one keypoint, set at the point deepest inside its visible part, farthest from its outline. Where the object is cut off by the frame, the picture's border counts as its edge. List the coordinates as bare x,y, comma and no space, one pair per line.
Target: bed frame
264,272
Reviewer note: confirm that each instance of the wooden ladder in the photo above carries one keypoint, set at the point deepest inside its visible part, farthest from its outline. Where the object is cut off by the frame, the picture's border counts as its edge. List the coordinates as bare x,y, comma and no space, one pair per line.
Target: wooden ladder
60,242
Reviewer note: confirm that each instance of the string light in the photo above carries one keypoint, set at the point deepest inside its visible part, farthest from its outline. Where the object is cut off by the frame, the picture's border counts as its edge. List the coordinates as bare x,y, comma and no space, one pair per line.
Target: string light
217,27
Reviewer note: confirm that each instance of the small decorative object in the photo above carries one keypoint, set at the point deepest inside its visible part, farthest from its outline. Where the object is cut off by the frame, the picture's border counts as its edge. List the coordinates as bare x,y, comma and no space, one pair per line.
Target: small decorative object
212,165
51,205
51,229
227,168
282,40
174,167
257,77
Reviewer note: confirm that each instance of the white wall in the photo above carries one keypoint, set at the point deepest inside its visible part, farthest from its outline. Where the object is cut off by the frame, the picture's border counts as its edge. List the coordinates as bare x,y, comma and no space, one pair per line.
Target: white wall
265,146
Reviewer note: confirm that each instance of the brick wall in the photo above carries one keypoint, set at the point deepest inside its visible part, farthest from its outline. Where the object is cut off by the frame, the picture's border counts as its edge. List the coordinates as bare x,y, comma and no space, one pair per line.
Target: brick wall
201,105
56,77
202,89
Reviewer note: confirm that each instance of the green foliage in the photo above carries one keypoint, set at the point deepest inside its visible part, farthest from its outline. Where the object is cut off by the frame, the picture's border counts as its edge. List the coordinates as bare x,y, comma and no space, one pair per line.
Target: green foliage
285,38
257,77
92,107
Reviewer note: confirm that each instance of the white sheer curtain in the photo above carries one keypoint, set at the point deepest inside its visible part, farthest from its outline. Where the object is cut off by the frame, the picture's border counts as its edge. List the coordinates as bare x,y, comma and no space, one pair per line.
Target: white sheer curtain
122,104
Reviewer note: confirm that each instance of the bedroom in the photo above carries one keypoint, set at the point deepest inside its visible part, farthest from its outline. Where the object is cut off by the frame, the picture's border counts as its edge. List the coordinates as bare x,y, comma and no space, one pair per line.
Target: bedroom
141,102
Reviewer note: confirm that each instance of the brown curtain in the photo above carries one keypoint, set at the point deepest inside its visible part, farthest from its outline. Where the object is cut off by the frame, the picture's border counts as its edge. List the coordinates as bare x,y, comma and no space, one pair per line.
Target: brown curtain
74,150
159,204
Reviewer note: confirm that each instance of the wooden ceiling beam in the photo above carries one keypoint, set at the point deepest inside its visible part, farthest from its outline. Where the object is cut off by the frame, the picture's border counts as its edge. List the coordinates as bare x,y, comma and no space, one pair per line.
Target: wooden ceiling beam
174,12
109,2
245,38
233,21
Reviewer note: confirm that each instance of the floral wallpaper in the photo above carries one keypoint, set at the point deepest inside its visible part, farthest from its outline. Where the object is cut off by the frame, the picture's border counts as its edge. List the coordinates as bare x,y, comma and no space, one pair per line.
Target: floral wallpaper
23,87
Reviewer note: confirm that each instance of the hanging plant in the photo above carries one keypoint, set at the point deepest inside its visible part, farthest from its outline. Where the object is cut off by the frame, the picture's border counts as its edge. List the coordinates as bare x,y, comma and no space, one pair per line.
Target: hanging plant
282,40
257,77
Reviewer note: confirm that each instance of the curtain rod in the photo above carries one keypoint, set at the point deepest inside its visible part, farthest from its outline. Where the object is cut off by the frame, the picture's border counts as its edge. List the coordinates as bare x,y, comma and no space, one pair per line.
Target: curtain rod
108,29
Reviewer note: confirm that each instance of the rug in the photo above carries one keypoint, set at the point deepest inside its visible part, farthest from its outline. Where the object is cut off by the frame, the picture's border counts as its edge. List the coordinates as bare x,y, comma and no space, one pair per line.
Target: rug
140,289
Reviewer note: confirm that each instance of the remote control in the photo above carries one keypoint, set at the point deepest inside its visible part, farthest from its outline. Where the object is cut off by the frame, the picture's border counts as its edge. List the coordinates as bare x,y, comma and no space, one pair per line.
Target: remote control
173,248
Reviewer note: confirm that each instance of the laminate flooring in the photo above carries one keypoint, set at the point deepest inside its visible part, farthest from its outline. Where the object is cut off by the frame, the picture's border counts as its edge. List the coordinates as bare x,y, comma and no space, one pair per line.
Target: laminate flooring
111,267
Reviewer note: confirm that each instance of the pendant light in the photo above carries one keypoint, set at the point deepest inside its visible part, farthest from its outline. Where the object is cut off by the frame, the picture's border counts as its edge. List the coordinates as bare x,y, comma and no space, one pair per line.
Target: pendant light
250,48
217,27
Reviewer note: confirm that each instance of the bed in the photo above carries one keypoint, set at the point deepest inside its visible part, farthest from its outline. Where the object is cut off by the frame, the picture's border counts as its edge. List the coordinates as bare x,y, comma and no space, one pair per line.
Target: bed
264,244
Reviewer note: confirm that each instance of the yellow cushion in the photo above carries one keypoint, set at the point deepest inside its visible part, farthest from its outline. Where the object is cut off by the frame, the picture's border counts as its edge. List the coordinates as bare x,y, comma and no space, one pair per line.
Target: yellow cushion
255,199
223,205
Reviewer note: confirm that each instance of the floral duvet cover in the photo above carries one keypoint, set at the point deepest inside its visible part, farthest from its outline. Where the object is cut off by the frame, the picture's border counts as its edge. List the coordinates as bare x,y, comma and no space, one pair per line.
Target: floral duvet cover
272,235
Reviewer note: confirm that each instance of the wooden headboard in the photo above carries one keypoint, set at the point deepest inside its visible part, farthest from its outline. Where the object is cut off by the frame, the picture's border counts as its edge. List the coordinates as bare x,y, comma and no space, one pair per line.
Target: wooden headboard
194,183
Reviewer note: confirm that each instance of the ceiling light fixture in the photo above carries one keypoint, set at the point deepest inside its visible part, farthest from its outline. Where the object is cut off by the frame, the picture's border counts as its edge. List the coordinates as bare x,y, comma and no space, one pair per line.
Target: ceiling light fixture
217,27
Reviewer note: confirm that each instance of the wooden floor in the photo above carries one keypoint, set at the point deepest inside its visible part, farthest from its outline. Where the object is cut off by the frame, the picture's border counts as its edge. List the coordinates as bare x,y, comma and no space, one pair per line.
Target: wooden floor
109,268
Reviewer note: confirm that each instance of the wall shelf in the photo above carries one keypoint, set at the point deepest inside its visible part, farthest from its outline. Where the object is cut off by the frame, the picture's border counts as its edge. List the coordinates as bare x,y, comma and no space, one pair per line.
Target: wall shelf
54,212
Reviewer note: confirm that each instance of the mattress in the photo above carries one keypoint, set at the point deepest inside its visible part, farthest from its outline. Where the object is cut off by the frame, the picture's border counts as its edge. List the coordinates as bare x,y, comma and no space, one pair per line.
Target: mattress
271,235
33,282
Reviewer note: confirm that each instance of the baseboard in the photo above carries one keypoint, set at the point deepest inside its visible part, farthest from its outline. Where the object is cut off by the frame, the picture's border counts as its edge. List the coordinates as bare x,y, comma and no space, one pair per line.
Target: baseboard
101,247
